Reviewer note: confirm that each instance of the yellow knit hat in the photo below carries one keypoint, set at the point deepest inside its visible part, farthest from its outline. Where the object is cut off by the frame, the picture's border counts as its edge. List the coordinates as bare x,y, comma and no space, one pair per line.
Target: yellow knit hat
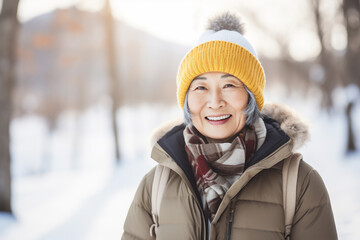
222,49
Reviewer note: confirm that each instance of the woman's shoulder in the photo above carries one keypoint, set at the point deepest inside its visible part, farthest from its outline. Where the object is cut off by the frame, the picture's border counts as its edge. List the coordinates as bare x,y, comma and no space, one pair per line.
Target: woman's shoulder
308,179
311,186
307,172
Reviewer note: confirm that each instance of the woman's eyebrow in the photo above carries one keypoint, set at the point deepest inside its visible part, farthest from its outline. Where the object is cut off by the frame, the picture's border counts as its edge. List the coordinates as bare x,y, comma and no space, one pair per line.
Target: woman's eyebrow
227,75
199,78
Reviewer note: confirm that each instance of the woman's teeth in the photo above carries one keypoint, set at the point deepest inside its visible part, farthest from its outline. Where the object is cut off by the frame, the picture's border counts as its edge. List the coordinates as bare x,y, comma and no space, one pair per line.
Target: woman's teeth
218,118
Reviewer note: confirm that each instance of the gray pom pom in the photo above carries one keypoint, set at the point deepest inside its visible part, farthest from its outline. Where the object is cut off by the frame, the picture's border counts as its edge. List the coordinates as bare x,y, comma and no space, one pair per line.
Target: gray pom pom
226,21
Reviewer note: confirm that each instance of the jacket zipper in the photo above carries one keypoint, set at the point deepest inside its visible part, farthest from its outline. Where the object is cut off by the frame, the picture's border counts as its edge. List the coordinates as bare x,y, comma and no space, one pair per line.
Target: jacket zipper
205,226
230,219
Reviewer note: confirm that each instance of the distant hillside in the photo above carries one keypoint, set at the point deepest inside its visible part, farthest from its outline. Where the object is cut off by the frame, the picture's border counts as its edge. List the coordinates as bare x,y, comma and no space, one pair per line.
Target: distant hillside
61,63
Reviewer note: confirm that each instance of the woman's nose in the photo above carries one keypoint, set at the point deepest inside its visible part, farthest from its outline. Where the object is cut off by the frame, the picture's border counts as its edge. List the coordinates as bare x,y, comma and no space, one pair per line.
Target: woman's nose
215,99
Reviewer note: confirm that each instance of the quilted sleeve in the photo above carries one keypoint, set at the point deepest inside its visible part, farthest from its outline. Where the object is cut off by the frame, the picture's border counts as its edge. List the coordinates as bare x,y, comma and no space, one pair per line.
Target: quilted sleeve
314,218
139,218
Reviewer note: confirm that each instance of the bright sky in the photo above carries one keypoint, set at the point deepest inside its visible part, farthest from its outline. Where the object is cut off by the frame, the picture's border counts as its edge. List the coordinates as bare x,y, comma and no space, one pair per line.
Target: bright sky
182,21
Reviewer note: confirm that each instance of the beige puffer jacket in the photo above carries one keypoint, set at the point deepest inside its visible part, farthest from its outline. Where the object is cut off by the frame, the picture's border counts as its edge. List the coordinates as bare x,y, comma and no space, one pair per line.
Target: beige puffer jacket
254,202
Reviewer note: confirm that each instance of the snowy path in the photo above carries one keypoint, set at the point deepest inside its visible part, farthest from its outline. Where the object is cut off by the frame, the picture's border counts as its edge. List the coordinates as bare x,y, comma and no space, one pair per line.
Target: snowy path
90,204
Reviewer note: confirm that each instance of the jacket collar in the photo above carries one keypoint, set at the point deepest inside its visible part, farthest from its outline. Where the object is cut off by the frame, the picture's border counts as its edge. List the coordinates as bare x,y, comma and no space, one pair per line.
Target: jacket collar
174,145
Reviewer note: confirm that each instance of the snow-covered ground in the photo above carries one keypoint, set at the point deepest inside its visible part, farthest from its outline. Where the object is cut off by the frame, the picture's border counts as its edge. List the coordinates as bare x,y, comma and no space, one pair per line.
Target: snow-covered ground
66,186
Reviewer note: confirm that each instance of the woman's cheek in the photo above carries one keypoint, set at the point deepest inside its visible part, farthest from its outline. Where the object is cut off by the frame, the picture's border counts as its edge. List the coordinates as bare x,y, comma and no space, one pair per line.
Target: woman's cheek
242,101
195,103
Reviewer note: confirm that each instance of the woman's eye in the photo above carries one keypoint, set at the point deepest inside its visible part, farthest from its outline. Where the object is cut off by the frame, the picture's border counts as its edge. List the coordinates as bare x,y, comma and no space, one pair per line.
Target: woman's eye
200,88
228,85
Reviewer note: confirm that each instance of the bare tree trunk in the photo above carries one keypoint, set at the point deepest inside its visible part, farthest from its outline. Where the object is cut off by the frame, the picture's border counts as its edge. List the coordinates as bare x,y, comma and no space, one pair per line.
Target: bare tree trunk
8,33
326,60
351,11
113,76
351,140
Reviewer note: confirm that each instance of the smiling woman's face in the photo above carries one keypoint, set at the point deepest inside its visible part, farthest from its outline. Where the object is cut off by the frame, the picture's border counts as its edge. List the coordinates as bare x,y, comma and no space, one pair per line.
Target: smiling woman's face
216,102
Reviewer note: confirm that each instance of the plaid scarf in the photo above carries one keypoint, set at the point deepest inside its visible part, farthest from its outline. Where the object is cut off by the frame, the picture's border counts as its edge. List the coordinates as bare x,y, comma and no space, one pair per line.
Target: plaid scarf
218,165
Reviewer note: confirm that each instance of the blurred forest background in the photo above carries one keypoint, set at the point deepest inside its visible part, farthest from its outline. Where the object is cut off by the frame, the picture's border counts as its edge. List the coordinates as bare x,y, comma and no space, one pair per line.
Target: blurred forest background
65,60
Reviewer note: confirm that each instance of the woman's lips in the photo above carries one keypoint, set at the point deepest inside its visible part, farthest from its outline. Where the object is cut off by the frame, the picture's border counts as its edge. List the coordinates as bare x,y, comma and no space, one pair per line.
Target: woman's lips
219,119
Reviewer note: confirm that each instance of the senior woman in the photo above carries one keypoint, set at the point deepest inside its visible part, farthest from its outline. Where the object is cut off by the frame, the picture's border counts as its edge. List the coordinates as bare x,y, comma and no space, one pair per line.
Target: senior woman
226,159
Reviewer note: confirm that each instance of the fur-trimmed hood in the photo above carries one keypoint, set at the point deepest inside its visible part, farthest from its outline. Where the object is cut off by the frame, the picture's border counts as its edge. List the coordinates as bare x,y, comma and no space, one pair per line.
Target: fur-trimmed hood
290,122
